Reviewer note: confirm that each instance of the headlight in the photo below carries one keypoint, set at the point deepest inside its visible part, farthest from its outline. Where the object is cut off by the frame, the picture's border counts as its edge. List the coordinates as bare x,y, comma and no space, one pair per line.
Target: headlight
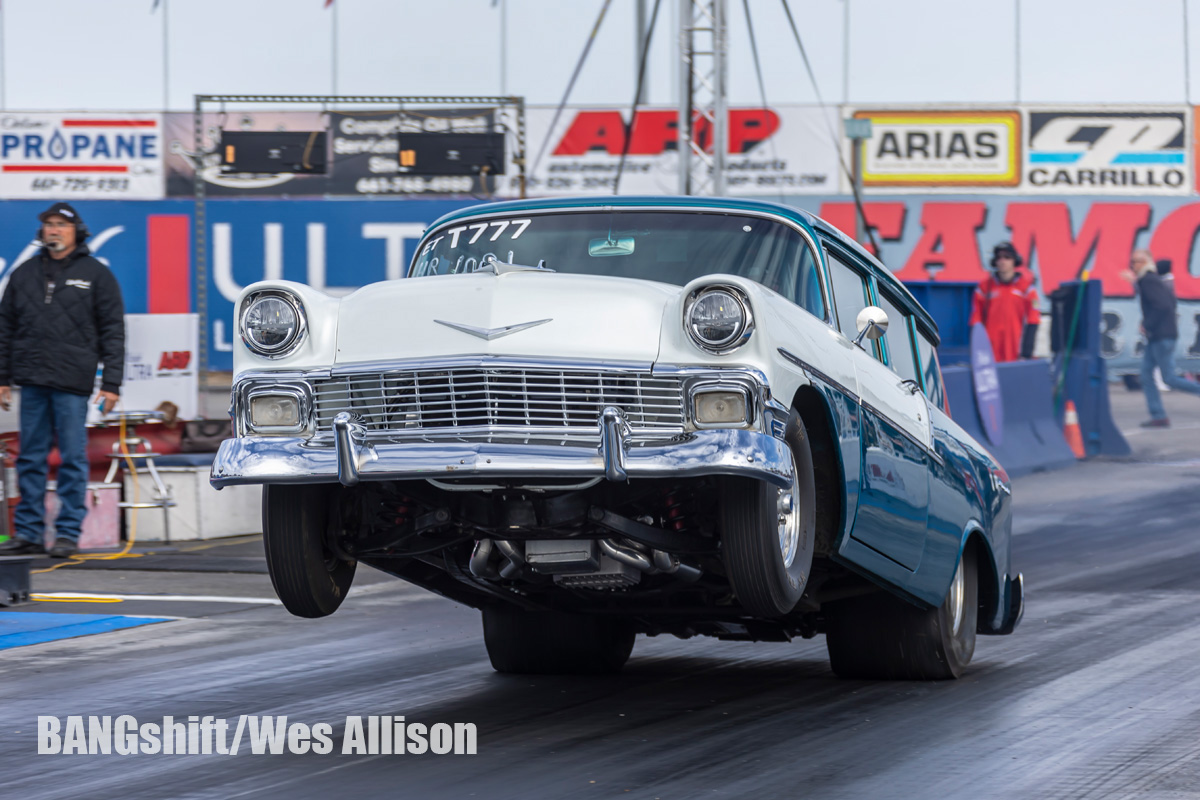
274,411
272,323
720,405
718,319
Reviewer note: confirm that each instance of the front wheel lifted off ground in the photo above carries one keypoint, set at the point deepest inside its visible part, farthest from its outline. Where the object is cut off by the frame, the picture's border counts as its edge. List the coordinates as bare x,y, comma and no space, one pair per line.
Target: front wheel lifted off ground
768,534
881,637
309,577
553,643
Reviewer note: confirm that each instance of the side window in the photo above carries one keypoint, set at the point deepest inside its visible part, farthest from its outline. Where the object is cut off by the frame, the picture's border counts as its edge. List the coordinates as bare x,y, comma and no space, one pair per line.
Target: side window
849,297
931,373
808,285
789,267
899,340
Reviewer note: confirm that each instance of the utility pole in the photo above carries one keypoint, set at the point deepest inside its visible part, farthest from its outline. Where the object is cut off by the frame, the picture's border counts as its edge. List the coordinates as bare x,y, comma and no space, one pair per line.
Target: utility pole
703,108
639,40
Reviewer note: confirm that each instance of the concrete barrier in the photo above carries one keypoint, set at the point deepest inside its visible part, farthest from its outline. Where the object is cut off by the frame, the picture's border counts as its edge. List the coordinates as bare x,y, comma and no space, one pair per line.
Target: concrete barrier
1087,385
1086,378
1032,438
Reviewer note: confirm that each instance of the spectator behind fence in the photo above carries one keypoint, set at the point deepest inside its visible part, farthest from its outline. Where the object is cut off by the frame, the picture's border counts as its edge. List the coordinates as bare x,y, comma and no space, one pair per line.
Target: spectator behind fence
61,314
1006,304
1162,332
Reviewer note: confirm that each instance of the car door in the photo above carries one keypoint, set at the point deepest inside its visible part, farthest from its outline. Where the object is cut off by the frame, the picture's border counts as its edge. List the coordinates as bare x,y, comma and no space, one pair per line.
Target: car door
894,496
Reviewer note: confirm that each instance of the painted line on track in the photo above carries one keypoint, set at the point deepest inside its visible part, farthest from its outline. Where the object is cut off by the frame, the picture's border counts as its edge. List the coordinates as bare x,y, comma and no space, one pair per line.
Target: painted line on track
86,597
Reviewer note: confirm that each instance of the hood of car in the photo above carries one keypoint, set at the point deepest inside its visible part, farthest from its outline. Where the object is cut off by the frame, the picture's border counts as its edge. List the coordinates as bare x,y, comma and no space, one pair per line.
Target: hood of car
527,313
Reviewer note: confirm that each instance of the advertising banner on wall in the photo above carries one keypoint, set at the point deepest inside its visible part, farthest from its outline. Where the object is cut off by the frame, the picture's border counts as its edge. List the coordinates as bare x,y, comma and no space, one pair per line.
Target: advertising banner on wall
942,148
80,155
951,239
184,158
337,247
161,362
363,158
1108,151
786,149
366,148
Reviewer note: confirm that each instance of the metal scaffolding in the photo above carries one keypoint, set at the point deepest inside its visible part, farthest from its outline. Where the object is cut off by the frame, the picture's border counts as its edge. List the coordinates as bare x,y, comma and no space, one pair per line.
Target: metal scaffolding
703,110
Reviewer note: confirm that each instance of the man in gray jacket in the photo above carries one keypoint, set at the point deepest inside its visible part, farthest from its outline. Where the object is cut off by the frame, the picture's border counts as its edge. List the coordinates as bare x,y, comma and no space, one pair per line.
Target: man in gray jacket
1162,333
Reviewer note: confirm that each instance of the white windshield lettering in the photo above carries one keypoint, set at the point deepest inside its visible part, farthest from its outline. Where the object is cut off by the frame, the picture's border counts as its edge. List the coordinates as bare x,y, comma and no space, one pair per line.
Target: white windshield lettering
481,227
502,225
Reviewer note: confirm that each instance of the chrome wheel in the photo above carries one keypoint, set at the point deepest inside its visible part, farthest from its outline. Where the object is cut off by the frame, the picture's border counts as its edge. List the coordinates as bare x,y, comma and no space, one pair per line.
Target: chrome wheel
768,535
955,600
789,524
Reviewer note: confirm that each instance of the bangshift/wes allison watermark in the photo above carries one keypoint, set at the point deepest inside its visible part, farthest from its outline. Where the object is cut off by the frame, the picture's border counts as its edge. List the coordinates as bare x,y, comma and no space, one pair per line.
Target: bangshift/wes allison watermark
261,735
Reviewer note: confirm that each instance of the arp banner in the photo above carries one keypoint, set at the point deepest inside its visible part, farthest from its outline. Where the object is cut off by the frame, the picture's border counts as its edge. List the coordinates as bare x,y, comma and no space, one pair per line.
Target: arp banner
81,155
785,149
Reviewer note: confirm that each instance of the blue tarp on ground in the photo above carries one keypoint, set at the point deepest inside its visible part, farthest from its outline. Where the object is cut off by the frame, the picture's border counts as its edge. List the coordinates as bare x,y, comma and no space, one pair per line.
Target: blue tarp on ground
20,628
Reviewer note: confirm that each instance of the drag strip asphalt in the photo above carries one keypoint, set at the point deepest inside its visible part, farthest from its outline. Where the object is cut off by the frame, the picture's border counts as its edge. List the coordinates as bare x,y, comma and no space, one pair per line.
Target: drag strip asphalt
1097,694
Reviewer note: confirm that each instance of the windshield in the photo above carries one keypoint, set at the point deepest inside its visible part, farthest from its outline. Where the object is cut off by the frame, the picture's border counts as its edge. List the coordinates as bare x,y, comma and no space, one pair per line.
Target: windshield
669,247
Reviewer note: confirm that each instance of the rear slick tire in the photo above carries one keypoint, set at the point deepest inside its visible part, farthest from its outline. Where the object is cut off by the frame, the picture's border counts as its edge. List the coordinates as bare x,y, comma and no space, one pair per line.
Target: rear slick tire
881,637
553,643
310,579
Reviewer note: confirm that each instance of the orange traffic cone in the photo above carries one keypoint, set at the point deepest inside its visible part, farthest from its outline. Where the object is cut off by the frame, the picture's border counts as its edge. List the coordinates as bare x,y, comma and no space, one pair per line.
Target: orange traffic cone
1071,431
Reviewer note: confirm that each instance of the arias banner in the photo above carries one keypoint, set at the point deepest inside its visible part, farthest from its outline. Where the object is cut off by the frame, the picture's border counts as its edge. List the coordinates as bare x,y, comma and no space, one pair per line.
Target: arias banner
772,151
942,148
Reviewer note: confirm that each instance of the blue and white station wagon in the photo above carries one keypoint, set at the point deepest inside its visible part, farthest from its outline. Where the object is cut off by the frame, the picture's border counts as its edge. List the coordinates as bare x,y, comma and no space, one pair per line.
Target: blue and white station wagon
591,419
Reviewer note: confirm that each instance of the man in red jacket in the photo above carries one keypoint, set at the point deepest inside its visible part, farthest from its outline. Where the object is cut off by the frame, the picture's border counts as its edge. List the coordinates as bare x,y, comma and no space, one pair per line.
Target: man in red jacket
1006,304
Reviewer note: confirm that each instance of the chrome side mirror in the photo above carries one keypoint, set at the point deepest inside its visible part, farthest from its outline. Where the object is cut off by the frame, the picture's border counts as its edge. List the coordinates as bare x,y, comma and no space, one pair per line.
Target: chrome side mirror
872,323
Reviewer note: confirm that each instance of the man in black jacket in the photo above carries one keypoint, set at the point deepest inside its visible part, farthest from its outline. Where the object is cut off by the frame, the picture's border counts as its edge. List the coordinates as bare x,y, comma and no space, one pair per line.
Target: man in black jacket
61,315
1158,323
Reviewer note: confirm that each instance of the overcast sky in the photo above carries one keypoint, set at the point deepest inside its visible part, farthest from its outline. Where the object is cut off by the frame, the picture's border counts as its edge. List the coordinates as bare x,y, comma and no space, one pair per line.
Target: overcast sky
147,54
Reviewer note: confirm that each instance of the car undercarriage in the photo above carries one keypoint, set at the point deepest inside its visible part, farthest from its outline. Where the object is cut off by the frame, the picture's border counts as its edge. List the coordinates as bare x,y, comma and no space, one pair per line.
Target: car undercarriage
650,550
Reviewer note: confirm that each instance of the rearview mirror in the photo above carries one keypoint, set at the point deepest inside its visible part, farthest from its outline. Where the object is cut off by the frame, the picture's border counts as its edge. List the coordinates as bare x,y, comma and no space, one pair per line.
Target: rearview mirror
872,323
608,246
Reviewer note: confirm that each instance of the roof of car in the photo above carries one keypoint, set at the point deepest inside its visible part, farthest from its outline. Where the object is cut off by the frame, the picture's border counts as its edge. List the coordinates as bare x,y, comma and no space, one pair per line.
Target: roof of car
818,225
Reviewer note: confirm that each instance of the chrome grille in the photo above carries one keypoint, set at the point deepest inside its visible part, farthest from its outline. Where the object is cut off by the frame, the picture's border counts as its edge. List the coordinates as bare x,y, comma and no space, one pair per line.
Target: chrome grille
520,401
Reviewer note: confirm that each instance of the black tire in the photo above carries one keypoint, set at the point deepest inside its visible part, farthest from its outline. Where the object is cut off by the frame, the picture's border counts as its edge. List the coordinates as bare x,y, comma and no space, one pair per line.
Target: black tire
881,637
764,582
308,577
553,643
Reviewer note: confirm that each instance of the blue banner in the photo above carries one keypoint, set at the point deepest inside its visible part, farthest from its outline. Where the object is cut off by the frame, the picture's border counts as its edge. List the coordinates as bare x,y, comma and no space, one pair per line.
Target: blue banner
337,245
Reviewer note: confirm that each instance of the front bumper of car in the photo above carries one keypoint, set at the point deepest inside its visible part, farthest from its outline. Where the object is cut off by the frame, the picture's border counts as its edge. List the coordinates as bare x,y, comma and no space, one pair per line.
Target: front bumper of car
350,458
485,418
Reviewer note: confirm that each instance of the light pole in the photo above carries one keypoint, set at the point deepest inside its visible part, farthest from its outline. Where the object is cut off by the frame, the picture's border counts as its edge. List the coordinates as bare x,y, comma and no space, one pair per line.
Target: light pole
857,131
